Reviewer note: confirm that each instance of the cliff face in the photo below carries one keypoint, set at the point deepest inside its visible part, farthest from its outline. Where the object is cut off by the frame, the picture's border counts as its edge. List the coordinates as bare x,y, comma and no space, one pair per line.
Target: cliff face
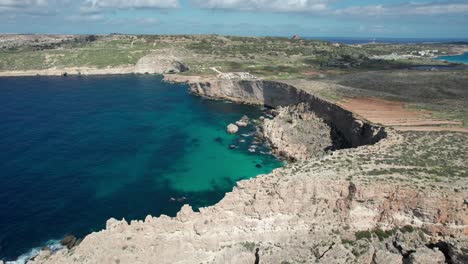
355,131
298,134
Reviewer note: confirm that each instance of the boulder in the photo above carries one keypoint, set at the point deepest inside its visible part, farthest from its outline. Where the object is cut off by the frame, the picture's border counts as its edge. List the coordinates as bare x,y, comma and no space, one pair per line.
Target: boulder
232,129
241,124
427,256
385,257
69,241
408,242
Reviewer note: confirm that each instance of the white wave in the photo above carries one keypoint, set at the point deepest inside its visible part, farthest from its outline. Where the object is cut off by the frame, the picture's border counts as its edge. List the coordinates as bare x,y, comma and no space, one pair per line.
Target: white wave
54,245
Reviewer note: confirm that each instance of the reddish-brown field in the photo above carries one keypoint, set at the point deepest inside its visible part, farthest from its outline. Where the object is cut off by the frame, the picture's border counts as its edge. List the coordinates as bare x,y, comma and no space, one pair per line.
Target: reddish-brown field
397,115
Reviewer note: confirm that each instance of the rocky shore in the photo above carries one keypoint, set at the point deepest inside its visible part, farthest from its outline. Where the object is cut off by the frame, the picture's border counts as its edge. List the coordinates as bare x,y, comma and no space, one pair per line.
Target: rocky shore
320,209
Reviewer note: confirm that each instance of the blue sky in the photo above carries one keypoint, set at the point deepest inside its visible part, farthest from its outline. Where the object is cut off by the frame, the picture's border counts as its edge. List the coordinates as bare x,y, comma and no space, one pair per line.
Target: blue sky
333,18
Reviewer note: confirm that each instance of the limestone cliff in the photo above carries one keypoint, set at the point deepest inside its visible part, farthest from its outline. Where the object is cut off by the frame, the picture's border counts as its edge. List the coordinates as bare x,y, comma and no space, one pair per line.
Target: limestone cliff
355,131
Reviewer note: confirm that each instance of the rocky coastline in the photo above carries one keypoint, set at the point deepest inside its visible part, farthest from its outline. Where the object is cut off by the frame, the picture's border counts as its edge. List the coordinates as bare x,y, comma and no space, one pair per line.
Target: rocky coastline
305,212
300,109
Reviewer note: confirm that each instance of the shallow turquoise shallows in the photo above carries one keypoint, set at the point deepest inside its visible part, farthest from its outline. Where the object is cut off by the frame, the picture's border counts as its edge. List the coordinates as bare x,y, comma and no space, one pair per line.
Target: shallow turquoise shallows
76,151
463,58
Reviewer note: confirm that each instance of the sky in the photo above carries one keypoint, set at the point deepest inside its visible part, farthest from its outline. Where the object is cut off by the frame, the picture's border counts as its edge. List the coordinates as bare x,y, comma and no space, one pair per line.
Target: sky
324,18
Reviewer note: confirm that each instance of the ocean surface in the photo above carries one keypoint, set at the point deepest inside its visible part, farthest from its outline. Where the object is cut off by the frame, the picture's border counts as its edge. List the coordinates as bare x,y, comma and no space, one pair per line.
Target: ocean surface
76,151
354,40
463,58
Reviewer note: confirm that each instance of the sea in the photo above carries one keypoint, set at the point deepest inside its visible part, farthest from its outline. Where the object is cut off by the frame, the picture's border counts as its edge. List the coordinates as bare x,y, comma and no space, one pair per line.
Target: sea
362,40
78,150
462,58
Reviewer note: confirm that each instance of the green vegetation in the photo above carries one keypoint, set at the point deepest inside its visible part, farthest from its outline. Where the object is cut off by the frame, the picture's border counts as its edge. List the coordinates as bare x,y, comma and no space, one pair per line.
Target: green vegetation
249,246
280,58
381,234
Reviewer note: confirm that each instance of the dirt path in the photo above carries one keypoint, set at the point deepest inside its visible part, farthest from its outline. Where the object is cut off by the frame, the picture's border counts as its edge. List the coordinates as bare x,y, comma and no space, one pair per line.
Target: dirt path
395,114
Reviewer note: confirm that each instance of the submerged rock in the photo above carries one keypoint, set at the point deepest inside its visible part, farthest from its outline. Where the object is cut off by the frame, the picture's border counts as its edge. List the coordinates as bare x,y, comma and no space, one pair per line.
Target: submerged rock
232,129
258,166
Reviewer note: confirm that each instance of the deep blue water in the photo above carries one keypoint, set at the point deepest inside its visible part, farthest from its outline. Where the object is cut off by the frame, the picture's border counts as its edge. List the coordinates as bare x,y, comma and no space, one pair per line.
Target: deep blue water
463,58
76,151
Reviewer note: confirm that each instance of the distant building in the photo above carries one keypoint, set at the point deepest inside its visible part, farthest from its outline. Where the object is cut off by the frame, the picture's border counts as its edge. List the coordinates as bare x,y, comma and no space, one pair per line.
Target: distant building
296,36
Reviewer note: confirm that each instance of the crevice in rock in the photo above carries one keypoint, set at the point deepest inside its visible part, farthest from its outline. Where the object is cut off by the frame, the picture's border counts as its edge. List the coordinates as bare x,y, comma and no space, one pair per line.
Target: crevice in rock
444,248
405,255
326,251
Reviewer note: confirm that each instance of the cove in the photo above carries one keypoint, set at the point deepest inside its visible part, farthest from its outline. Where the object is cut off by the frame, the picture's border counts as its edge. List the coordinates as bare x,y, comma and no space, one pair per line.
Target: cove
462,58
78,150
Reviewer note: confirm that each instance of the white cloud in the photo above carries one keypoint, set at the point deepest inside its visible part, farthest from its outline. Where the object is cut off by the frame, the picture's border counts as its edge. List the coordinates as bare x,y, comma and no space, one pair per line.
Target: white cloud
412,8
91,6
30,7
86,18
22,3
265,5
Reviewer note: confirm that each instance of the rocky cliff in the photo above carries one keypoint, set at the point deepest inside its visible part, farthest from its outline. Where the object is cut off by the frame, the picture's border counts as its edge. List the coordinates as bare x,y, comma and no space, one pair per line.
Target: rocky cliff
355,131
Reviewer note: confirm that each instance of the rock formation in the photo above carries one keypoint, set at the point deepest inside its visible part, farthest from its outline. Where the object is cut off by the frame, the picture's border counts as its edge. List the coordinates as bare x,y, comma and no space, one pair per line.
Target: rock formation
355,131
159,64
232,129
297,133
243,122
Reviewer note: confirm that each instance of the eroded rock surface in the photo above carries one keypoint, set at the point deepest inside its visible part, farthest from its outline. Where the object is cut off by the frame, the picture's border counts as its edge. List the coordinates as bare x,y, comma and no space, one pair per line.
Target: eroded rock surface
297,133
156,63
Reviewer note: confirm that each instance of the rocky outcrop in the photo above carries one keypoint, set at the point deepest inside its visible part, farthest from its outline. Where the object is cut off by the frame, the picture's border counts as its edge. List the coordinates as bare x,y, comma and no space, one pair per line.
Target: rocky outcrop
243,122
232,129
159,64
457,249
427,256
355,131
69,241
297,133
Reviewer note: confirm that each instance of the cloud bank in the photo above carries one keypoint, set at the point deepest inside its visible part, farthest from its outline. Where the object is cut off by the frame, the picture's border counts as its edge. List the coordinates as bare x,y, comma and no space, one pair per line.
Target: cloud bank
412,8
264,5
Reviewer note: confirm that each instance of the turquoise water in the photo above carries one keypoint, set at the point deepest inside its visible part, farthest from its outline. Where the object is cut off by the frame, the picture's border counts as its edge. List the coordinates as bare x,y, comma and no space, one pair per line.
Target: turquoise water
463,58
79,150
